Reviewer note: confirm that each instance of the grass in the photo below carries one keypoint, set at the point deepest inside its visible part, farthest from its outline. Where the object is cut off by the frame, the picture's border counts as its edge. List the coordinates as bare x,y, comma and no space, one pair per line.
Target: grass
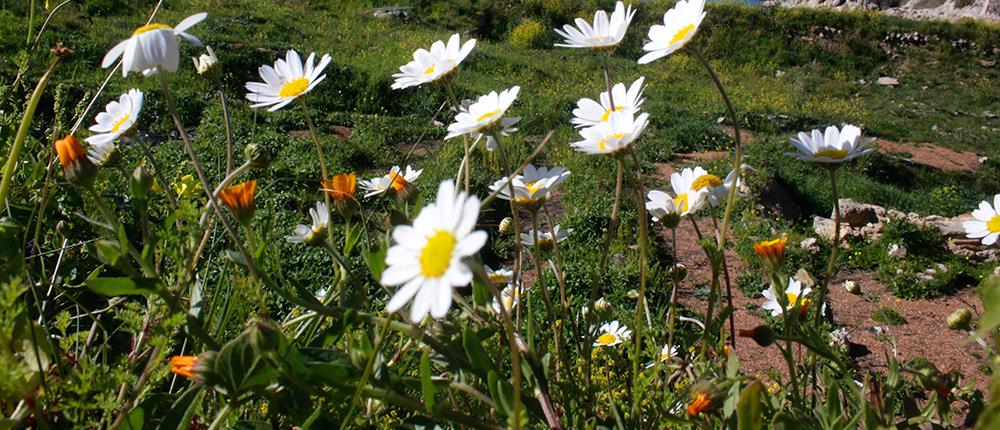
784,72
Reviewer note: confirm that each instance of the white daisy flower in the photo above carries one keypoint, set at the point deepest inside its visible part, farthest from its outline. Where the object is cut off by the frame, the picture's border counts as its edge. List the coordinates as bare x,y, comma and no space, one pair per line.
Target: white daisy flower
589,112
315,233
483,114
795,296
666,353
680,24
532,187
427,259
118,117
207,64
986,224
660,205
153,47
511,297
689,199
605,33
545,237
612,333
429,66
499,276
505,128
833,146
397,180
289,79
614,135
716,189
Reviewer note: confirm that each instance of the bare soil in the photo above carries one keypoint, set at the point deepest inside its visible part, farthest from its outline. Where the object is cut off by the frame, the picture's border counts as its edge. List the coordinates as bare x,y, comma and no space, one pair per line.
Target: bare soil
934,156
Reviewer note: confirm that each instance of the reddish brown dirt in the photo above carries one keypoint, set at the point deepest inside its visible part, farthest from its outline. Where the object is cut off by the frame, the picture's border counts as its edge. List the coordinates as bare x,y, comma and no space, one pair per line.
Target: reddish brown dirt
924,335
935,156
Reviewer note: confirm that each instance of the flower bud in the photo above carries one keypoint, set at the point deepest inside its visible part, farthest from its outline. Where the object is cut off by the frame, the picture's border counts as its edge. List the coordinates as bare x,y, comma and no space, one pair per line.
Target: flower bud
602,305
852,287
763,335
706,398
77,167
140,183
258,156
506,226
678,271
671,220
961,319
208,65
341,190
264,337
632,294
239,199
200,368
772,252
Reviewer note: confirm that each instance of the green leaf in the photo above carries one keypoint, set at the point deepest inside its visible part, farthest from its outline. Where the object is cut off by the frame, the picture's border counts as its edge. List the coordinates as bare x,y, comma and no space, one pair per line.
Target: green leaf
501,393
179,415
989,291
375,259
474,349
108,252
123,286
241,369
750,410
481,294
426,386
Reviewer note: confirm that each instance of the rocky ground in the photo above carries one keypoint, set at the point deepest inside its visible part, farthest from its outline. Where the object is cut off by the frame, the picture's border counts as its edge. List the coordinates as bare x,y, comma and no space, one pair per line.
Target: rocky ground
917,9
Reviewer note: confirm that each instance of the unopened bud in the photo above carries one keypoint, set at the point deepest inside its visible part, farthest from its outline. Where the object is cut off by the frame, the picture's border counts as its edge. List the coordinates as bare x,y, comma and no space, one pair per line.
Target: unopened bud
602,305
852,287
258,156
763,335
264,337
632,294
678,271
961,319
506,226
61,51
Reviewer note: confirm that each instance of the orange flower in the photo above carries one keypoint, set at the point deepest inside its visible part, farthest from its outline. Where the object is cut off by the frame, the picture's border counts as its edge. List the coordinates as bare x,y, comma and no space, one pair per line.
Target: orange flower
183,365
700,403
771,251
239,199
341,187
79,170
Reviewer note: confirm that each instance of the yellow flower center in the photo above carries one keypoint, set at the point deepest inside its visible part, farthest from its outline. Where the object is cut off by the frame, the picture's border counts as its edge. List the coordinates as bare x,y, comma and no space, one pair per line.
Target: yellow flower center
150,27
429,70
681,202
118,124
708,180
497,278
294,87
533,186
607,113
835,154
603,143
607,339
436,255
665,357
993,225
682,34
487,115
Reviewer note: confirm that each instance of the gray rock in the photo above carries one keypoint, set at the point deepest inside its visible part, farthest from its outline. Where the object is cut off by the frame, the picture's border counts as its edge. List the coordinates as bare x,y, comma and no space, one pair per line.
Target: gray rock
887,81
858,214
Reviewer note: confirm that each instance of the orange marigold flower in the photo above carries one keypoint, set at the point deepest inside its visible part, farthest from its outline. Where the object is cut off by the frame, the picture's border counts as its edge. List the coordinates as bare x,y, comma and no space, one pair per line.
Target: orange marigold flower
183,365
700,403
77,167
771,251
239,199
341,187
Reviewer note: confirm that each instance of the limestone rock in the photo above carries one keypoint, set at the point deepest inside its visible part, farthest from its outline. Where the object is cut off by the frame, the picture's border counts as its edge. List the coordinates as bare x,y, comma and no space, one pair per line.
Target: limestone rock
859,214
887,81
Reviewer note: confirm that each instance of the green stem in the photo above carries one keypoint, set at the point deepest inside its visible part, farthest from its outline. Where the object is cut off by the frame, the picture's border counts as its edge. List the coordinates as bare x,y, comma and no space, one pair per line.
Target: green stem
738,160
672,311
511,334
366,374
22,131
466,162
831,266
229,130
539,269
158,172
640,200
315,139
602,265
220,417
